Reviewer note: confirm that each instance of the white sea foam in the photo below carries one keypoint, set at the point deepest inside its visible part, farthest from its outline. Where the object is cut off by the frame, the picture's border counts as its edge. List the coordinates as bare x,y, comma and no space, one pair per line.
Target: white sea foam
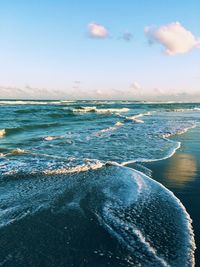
118,123
51,138
80,168
181,131
141,214
18,151
183,109
100,110
177,145
121,221
2,133
136,118
109,129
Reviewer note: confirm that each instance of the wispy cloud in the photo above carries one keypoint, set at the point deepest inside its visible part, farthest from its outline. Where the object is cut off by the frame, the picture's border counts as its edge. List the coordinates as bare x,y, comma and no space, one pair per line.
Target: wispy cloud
28,92
97,30
174,37
135,87
127,36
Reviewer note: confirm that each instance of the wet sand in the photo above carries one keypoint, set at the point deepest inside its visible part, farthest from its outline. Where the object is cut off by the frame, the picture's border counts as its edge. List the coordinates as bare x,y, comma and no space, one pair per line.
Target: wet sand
181,174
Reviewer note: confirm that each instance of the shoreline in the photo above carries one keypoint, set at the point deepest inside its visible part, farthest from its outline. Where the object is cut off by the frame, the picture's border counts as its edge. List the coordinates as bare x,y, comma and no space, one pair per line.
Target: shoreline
180,173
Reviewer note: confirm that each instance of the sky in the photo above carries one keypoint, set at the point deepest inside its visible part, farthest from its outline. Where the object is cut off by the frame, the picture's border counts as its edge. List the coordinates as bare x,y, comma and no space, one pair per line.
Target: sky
106,49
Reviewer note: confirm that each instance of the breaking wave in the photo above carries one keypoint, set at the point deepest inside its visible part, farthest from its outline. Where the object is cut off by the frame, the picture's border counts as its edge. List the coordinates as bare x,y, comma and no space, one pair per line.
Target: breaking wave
136,118
125,218
100,110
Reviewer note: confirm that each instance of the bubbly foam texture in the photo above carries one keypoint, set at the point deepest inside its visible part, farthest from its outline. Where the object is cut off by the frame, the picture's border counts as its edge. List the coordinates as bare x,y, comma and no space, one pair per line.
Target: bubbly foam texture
181,131
80,168
137,212
136,238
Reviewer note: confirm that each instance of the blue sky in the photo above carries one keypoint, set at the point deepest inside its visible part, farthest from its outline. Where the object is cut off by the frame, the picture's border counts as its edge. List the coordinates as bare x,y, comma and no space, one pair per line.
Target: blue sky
49,44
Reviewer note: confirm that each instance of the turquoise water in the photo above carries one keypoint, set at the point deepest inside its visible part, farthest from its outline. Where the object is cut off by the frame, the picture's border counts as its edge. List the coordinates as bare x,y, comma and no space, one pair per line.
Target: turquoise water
66,197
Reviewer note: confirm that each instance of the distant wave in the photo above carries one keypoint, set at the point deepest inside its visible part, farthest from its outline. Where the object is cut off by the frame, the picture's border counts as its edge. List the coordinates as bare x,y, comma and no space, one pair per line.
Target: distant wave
183,109
51,138
118,124
136,118
67,101
27,111
34,102
14,152
19,129
100,110
28,102
18,151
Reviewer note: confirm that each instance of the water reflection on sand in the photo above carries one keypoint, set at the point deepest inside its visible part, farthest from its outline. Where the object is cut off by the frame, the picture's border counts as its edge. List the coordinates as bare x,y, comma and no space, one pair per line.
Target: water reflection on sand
181,169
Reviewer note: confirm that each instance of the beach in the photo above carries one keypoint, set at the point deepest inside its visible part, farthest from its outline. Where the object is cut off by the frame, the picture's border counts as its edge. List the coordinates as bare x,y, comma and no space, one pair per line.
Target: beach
181,174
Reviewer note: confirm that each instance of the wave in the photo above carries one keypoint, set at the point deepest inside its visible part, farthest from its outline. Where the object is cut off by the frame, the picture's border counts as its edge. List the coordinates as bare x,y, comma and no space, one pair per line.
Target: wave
51,138
14,152
136,118
179,132
109,216
90,165
15,130
27,111
171,152
67,101
118,123
176,146
100,110
17,151
28,102
108,130
183,109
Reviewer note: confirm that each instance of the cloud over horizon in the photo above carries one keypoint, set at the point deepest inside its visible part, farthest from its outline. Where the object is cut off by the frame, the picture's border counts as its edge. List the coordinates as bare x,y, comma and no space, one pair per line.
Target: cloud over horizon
136,88
173,37
97,30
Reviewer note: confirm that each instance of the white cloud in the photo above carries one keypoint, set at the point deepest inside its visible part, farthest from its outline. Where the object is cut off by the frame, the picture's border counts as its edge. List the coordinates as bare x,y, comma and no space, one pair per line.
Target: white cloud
174,37
97,30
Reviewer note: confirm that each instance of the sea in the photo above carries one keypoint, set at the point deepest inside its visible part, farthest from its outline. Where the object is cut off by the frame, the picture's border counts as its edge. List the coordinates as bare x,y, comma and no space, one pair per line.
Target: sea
67,195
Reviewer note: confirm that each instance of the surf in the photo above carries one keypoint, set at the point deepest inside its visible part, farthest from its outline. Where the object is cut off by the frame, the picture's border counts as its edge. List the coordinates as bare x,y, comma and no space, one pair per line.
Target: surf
138,215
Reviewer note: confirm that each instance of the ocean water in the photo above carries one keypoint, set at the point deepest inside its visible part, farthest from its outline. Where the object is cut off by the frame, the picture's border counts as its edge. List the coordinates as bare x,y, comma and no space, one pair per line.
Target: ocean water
66,195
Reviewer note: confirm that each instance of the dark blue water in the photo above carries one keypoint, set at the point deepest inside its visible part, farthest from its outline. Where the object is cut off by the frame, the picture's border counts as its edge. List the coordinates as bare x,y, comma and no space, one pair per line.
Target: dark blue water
67,200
